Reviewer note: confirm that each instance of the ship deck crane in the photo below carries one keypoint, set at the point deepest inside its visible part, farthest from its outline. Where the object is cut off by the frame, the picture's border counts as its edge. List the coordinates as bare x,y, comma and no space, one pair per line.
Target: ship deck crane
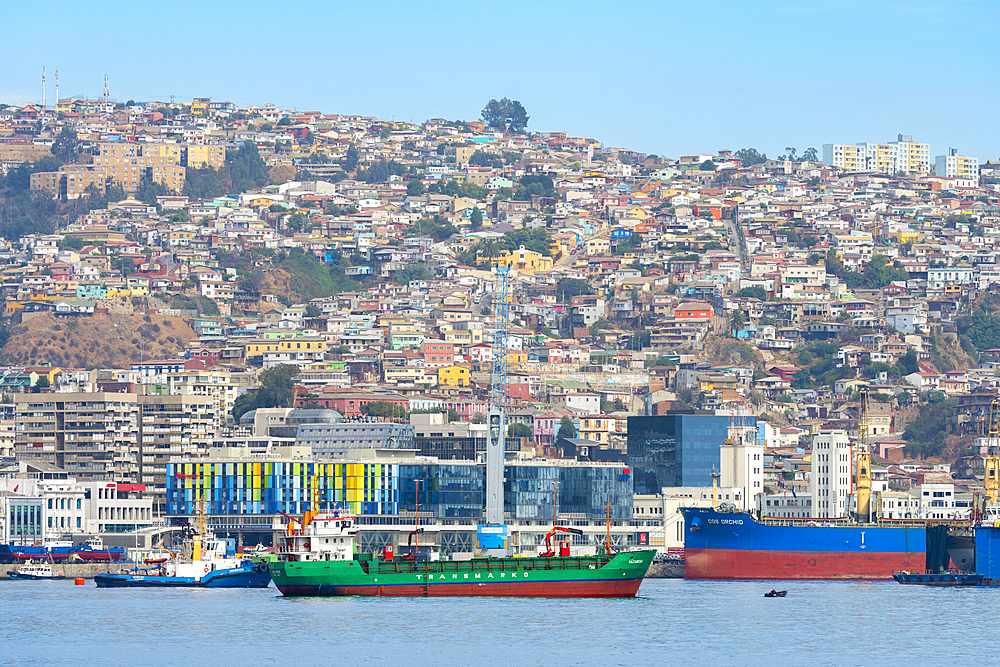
493,534
991,462
863,463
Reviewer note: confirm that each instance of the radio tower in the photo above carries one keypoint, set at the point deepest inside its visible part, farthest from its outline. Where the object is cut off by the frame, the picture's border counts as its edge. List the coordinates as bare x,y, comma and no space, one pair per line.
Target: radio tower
106,88
57,88
43,86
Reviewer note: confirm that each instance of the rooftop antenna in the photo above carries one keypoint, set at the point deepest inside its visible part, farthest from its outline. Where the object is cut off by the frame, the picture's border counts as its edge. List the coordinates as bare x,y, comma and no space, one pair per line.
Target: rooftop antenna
106,88
43,86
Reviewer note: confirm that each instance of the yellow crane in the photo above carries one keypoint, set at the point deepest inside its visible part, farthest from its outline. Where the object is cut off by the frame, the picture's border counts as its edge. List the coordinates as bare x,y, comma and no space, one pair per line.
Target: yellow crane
991,462
863,462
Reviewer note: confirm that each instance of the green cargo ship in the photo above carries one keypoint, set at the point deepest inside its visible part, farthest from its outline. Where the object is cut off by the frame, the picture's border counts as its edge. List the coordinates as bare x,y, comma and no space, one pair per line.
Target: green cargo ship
318,559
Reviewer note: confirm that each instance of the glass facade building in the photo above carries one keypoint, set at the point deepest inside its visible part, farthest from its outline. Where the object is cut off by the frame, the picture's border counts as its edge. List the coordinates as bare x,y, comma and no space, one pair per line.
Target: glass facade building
677,449
445,489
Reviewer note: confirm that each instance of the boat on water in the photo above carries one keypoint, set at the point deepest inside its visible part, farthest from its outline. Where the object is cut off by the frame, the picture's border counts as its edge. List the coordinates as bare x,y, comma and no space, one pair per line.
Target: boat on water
35,571
734,545
317,557
57,550
94,550
776,594
203,561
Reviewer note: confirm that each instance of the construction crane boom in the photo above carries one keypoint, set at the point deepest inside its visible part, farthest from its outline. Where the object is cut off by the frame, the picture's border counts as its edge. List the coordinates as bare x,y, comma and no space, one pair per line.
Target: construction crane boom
497,413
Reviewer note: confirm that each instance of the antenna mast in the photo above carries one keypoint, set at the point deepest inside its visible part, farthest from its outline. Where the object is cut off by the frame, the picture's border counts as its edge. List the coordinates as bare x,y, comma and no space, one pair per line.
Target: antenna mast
43,86
57,88
106,93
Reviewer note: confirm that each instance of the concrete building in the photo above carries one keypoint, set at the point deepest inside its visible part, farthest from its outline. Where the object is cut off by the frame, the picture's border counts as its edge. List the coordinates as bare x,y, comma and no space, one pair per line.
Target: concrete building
171,426
92,436
830,482
218,385
953,165
742,464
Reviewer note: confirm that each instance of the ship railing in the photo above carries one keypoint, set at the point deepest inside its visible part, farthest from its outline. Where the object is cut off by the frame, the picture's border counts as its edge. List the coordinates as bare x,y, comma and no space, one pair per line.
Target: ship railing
844,522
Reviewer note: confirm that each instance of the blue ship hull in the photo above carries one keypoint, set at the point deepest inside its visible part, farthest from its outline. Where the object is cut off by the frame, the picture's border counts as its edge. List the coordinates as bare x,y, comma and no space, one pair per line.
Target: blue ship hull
720,545
16,554
255,575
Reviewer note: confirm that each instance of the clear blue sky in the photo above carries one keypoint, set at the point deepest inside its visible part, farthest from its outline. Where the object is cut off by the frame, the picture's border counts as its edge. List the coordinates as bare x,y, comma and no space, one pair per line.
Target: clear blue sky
662,77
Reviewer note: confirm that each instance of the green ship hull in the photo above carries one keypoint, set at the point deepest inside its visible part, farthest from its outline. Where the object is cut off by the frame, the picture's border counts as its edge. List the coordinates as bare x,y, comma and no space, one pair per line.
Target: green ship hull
617,575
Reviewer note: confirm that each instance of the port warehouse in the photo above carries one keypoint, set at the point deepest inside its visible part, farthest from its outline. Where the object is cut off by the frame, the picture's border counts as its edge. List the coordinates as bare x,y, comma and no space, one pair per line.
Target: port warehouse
245,498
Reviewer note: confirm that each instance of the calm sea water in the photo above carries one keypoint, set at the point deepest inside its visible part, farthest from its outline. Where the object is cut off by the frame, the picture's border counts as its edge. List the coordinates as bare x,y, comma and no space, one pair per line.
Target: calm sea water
671,622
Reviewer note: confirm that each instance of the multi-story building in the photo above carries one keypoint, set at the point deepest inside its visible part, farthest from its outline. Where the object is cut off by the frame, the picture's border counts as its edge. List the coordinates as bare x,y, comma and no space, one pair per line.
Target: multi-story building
92,436
830,482
901,156
218,385
71,181
171,426
958,166
246,494
293,349
677,449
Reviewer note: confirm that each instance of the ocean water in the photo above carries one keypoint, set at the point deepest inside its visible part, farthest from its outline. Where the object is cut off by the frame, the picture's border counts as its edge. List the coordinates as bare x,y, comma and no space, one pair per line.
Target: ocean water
671,622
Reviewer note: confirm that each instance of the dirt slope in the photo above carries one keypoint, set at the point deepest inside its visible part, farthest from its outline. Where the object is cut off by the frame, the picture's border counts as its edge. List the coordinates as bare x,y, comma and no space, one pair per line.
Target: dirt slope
96,341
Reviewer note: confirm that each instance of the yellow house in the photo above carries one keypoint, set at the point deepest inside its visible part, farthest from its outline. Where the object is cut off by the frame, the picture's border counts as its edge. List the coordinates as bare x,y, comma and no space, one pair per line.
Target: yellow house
199,106
597,428
517,357
212,155
908,236
453,376
525,261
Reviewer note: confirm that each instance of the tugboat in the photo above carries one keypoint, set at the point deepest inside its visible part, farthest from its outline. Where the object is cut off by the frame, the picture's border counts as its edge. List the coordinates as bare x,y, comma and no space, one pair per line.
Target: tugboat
35,571
94,550
204,561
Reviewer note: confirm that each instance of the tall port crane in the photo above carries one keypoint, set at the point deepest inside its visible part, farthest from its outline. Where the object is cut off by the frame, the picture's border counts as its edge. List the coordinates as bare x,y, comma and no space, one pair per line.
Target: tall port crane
493,534
863,462
991,462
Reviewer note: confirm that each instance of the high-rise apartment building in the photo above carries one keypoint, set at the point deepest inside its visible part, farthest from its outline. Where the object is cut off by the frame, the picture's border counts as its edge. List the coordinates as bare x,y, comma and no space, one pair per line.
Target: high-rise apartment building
954,165
171,426
830,483
903,156
92,436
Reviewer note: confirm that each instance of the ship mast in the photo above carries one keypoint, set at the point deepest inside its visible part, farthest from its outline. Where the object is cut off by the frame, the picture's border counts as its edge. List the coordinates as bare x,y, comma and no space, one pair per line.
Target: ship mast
863,463
991,462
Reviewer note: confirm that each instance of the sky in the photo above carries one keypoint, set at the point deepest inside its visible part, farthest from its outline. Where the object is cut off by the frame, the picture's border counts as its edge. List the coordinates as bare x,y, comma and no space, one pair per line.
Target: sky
664,77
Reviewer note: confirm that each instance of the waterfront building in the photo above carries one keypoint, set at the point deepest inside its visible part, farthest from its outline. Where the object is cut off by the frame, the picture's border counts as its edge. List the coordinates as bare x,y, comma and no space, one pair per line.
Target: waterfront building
830,478
677,449
93,436
245,495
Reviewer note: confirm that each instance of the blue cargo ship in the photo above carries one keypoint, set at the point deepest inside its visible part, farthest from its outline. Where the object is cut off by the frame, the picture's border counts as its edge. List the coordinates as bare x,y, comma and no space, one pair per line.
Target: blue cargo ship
734,545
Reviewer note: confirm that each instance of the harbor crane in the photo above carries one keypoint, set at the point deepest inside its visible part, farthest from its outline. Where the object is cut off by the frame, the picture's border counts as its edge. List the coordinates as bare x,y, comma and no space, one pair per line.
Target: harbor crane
493,534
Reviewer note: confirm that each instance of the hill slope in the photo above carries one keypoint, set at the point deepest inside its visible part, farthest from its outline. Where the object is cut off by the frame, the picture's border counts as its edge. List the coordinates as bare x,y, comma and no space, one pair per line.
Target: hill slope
95,341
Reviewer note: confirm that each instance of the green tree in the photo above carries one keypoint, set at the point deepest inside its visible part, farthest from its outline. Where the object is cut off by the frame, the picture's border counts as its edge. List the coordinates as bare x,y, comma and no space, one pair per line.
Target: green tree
505,114
753,293
908,362
413,272
385,409
520,431
351,158
707,165
66,147
476,219
312,310
810,155
247,170
415,188
566,428
833,263
737,321
750,156
276,391
570,287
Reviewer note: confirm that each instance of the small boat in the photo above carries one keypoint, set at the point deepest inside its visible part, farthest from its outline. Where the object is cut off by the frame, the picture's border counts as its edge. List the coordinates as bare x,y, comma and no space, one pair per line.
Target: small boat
204,561
35,571
943,579
94,550
775,594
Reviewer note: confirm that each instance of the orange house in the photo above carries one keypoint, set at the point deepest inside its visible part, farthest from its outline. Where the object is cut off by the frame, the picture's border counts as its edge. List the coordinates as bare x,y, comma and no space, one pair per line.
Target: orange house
694,311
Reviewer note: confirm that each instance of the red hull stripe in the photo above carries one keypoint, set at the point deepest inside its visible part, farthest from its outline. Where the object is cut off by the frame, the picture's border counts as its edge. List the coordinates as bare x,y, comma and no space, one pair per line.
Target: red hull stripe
743,564
557,589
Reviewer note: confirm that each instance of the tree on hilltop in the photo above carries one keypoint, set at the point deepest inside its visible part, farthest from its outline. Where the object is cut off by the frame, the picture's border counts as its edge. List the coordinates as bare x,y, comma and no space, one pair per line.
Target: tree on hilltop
505,114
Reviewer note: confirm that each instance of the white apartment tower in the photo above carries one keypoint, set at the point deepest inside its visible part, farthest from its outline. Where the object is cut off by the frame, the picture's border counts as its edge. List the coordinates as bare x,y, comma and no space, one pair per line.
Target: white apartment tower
742,463
830,483
958,166
903,156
